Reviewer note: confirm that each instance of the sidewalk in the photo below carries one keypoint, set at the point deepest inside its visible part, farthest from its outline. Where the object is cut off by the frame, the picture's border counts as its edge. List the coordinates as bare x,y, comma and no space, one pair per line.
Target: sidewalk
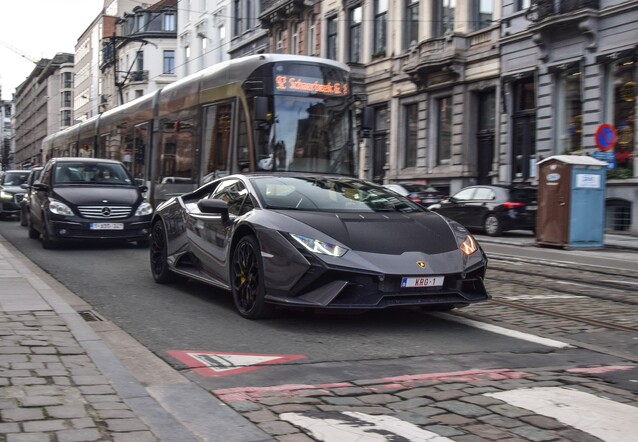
60,381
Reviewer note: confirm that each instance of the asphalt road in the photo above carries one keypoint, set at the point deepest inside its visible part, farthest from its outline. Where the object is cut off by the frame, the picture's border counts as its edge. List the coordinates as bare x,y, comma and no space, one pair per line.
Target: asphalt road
114,278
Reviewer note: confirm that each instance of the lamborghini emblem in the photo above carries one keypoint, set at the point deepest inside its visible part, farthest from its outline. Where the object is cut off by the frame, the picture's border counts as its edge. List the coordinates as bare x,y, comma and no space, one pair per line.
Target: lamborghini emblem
421,264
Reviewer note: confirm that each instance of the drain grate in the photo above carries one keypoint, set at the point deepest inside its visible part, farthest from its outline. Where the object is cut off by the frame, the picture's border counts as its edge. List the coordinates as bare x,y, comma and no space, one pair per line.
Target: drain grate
90,316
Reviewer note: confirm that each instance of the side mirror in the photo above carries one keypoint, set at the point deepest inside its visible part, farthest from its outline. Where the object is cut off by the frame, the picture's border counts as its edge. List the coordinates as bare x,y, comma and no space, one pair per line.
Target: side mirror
24,186
40,187
214,207
143,188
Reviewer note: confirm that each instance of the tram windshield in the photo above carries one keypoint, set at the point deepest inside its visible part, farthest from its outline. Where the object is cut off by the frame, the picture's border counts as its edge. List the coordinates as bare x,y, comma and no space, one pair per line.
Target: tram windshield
308,135
310,128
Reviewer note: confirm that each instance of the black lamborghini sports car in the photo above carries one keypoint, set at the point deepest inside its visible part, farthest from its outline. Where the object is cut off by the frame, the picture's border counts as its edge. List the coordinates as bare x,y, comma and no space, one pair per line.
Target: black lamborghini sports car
315,241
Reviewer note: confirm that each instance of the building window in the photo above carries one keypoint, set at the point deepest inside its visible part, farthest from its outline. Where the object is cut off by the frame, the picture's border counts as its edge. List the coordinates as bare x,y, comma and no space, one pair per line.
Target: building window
623,77
523,5
139,61
354,20
312,35
222,41
169,22
169,62
444,17
279,44
411,134
443,130
65,118
67,80
380,26
139,23
295,39
411,22
483,10
331,50
237,16
66,99
249,14
570,111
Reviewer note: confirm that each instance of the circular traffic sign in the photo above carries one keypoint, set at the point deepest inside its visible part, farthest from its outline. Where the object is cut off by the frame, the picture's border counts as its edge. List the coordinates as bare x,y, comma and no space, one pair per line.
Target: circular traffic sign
605,137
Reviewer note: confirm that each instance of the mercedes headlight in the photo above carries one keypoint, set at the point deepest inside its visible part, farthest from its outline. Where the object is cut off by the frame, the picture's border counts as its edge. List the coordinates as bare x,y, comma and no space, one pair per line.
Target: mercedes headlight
144,209
59,208
319,247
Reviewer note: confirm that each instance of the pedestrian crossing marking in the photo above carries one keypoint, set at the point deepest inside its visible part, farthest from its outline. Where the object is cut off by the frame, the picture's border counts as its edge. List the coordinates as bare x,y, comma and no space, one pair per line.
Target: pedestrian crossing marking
213,364
608,420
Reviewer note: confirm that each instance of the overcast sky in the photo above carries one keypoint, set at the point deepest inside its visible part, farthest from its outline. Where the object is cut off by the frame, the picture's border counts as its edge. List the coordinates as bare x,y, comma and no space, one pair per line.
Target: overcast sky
39,29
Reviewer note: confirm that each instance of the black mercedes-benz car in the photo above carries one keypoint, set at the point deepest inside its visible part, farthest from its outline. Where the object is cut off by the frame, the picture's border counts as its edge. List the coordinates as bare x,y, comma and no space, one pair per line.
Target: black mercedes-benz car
88,199
11,192
315,241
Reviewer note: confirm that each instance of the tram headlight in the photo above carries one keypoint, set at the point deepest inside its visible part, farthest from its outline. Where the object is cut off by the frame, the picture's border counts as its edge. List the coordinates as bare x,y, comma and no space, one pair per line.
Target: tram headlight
144,209
59,208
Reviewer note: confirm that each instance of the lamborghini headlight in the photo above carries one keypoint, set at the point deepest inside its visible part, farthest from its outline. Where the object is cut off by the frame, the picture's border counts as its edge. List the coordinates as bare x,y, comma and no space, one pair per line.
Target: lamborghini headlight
468,246
59,208
320,247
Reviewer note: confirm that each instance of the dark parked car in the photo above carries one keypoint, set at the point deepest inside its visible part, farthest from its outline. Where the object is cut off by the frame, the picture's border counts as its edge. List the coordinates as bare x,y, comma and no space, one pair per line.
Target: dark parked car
419,193
314,241
492,209
34,175
11,192
88,199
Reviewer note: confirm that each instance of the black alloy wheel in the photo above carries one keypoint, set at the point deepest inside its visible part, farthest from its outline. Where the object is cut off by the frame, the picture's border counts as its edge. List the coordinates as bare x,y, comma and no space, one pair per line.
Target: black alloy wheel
159,255
247,282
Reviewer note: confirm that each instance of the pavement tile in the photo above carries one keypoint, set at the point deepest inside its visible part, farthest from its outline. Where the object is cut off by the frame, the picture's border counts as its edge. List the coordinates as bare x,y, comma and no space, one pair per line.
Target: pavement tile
533,434
44,426
378,398
488,432
80,435
134,436
67,411
21,414
130,424
278,428
261,416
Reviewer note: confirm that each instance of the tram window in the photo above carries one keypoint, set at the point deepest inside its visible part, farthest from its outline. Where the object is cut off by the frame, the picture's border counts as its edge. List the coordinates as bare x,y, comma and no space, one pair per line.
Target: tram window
243,155
216,139
177,150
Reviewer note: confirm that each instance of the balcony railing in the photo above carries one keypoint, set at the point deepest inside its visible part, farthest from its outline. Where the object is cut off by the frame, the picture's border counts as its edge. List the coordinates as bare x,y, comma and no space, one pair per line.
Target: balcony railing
542,9
137,76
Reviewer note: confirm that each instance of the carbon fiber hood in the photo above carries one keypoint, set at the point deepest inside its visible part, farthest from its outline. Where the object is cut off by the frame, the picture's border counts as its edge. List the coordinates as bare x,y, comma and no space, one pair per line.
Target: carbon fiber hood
384,233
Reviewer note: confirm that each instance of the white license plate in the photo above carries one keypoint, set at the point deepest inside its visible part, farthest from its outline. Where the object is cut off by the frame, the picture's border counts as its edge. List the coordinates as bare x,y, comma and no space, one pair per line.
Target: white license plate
421,281
532,207
107,226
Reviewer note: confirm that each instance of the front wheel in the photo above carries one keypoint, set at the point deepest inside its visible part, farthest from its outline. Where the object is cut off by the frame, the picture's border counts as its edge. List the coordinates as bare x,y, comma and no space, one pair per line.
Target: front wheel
247,280
47,242
492,225
159,255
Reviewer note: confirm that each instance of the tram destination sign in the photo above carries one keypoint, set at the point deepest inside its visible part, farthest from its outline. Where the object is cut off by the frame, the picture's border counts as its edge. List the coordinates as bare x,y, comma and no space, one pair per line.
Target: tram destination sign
296,83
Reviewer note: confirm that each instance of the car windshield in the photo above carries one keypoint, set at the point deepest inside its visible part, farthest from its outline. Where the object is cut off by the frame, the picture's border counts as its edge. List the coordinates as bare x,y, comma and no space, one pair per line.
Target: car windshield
111,174
329,194
16,178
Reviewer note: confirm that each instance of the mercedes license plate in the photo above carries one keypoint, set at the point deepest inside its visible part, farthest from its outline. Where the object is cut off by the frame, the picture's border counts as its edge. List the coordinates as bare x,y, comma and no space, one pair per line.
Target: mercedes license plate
107,226
421,281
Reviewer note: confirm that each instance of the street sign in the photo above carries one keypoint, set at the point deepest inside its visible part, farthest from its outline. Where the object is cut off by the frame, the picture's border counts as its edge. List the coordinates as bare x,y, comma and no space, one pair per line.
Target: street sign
606,137
607,156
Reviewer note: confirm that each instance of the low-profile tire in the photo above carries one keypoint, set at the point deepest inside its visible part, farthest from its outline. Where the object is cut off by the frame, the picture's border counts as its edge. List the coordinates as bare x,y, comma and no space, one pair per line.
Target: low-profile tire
247,280
492,225
158,249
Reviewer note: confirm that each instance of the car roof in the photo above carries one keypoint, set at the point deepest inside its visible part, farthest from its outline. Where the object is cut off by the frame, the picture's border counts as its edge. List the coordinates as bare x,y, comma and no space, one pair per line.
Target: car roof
83,159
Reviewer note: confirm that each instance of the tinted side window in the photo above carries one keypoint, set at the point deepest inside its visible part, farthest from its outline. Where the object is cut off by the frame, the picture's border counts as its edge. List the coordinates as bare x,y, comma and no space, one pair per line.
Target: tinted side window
524,195
236,195
484,193
465,194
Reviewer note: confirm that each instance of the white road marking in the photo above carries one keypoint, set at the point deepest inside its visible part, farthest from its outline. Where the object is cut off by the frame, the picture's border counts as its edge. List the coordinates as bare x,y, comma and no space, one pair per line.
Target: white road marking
504,331
537,297
608,420
616,281
348,426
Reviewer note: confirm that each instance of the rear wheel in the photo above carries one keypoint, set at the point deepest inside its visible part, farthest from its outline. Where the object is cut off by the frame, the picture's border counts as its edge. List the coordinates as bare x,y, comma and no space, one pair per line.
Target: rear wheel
492,225
159,255
247,280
